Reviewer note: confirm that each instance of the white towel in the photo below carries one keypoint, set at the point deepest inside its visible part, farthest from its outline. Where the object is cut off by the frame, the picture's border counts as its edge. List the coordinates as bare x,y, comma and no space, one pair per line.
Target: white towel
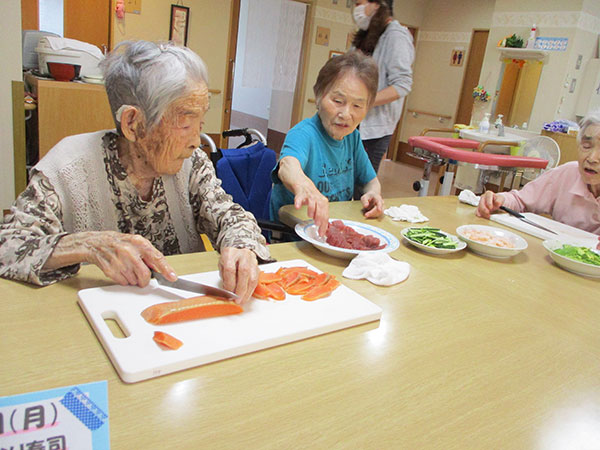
469,197
378,268
408,213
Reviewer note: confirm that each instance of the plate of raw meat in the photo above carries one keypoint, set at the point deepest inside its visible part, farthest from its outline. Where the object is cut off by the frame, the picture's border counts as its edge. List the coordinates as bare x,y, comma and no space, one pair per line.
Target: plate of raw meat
346,239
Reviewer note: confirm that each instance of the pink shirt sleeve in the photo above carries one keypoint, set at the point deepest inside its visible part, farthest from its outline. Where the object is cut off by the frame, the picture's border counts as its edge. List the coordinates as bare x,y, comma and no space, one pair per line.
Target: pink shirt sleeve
539,195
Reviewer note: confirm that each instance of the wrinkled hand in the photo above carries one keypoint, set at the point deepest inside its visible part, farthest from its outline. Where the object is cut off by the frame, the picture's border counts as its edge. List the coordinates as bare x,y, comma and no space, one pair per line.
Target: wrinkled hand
239,271
488,203
372,205
124,258
317,207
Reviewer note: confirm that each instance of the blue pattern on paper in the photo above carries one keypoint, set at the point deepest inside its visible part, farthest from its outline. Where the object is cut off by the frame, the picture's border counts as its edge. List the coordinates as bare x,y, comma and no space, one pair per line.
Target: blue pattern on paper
84,409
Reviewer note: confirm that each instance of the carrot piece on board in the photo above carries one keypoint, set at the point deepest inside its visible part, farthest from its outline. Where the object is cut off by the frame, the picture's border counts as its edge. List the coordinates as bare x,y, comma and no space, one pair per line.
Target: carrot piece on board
200,307
322,290
166,341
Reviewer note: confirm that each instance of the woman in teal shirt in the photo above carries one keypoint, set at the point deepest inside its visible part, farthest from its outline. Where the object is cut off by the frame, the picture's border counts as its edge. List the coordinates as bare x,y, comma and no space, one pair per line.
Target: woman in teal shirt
323,157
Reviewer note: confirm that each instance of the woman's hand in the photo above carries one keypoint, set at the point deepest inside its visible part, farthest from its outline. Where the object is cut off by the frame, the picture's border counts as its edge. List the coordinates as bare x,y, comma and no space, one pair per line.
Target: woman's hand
372,205
317,207
239,271
305,192
372,200
488,203
124,258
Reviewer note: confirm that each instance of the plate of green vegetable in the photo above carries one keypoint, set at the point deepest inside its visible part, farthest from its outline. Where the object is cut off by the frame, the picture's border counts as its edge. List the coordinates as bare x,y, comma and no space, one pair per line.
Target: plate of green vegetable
433,240
577,257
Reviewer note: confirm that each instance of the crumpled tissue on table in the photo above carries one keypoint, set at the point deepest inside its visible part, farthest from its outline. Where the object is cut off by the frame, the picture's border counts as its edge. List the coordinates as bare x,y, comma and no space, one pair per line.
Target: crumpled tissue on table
378,268
469,197
408,213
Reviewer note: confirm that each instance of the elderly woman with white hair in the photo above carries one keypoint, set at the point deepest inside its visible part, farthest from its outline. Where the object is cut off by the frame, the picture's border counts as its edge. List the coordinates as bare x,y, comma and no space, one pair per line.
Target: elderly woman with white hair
123,199
570,193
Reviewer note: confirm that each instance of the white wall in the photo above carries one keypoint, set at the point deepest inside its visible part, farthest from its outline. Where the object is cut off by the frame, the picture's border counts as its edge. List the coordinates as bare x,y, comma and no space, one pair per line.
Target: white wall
255,57
51,15
10,49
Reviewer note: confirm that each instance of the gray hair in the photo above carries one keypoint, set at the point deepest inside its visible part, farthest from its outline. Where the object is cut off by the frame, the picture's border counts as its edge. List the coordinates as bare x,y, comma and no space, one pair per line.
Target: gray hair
592,118
355,62
150,76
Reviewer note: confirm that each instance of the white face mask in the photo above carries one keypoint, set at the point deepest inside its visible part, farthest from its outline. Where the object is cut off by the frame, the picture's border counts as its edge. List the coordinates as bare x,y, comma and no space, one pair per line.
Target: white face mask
360,17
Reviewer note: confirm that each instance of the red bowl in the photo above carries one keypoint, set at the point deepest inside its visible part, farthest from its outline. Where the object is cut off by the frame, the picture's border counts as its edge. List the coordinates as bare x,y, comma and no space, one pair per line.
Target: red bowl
63,72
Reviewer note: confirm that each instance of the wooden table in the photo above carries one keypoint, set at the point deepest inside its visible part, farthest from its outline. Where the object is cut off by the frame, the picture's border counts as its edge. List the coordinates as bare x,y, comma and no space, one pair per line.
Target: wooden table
470,353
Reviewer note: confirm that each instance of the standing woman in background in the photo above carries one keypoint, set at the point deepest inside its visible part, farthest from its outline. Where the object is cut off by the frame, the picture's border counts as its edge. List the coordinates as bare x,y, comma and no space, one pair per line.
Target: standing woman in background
391,45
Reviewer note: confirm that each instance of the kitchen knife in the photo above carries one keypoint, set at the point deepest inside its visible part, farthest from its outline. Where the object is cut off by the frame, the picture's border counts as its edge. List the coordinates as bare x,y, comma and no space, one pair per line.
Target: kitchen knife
525,219
192,286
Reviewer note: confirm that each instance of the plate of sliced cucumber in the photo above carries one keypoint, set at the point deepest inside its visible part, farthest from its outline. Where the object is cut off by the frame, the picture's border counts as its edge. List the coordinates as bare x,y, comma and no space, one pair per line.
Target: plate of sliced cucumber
433,240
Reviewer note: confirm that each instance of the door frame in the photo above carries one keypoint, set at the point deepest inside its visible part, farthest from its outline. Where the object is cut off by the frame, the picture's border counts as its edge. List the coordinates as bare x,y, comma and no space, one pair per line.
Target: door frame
462,106
300,88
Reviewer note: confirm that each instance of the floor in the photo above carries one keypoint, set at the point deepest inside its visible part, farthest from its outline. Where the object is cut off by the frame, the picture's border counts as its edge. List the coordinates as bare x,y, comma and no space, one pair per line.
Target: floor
397,179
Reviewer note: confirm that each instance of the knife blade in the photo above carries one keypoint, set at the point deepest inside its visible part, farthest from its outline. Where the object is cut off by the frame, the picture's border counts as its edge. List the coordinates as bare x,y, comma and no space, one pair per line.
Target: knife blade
192,286
526,220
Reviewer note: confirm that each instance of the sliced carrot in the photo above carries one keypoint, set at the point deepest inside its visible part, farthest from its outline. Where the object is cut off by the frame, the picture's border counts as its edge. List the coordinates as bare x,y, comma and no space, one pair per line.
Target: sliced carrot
166,341
193,308
322,290
300,288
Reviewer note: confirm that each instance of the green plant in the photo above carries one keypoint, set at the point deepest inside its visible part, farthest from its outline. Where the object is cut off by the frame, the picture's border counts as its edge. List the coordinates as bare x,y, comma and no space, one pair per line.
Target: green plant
514,41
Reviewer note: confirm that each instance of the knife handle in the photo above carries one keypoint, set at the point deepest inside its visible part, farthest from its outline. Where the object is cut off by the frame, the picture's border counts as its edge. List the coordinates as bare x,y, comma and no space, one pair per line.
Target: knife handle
512,212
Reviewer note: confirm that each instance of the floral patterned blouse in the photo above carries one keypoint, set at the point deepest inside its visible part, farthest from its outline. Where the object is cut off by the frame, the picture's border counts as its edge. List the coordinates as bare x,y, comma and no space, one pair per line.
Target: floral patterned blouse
34,227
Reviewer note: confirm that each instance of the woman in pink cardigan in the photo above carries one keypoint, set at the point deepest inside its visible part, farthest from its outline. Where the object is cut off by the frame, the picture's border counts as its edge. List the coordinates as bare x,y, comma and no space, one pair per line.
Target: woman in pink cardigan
570,193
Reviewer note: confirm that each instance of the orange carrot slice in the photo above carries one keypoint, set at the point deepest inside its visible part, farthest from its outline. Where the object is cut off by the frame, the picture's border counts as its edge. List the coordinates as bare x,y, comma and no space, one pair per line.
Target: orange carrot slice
166,341
322,290
193,308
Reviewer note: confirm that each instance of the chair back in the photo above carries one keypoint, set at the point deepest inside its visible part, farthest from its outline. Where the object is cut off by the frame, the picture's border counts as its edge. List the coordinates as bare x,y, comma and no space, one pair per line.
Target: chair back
246,176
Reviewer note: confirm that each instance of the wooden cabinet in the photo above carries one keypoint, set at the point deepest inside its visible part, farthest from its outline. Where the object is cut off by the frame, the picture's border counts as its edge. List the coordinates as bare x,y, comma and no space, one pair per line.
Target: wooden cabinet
567,144
67,108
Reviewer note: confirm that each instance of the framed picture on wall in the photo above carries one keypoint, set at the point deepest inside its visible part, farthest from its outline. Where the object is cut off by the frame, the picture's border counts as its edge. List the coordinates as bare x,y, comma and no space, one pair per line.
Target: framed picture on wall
333,53
178,33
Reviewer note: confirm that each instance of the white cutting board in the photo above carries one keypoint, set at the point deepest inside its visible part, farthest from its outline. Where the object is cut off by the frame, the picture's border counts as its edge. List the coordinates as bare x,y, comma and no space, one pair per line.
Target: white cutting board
263,324
566,232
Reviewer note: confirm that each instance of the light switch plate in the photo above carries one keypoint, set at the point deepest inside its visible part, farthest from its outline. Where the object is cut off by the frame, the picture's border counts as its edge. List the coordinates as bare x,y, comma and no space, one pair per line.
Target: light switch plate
133,6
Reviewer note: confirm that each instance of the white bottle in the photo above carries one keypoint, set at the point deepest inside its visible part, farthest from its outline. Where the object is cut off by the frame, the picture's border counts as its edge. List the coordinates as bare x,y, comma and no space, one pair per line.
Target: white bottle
484,125
532,35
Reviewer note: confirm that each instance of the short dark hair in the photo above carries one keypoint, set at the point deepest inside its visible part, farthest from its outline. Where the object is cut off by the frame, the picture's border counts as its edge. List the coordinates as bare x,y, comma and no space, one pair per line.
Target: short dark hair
364,67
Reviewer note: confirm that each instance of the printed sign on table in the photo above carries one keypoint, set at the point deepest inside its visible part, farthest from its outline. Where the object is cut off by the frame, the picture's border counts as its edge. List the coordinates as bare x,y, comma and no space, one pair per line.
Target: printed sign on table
71,417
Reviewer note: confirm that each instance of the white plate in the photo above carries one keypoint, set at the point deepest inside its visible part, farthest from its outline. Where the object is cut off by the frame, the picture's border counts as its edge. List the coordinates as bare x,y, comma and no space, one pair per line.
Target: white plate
519,243
93,80
460,245
578,267
308,231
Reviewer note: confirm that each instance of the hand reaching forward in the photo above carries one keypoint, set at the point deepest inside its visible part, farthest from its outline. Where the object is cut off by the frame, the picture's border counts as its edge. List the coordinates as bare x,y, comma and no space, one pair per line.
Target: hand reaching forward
239,271
372,205
317,207
488,203
124,258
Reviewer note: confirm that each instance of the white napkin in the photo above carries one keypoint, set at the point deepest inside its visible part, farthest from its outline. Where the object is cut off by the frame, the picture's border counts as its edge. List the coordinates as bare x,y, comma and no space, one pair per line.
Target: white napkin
468,197
59,43
408,213
378,268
